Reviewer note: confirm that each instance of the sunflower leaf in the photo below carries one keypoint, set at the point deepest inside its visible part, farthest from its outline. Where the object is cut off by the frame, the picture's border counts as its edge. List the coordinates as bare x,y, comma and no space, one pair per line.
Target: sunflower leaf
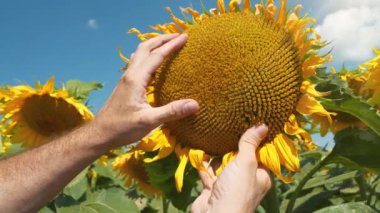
347,207
78,186
357,149
356,108
80,90
161,175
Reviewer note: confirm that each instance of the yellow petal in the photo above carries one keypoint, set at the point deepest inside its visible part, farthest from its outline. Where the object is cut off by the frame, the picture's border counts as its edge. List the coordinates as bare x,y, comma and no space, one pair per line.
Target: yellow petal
268,156
138,34
270,10
309,88
125,59
150,95
291,128
221,6
307,105
163,152
287,153
49,86
182,154
282,13
176,20
191,11
227,158
233,6
196,158
246,6
258,9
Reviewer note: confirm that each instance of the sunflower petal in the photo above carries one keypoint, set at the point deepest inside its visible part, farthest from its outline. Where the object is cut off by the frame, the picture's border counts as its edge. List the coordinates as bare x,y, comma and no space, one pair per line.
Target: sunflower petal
287,152
246,6
268,156
196,158
309,88
176,20
182,154
227,158
49,86
221,6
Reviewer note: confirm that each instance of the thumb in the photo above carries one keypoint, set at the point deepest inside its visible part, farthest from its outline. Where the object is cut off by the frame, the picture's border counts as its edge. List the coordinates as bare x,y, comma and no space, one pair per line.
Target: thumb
174,110
250,141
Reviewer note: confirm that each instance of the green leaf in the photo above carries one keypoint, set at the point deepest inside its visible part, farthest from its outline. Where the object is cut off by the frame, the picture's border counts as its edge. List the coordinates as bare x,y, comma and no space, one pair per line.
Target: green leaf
347,208
106,174
326,179
357,149
111,200
45,210
357,108
313,200
65,203
161,175
78,186
80,90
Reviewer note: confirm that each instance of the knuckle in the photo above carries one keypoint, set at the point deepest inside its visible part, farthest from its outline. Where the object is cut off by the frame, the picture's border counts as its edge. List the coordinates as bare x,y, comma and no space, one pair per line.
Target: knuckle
173,112
127,79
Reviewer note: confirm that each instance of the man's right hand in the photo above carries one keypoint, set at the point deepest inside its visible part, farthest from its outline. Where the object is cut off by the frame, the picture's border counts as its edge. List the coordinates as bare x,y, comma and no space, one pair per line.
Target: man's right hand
127,117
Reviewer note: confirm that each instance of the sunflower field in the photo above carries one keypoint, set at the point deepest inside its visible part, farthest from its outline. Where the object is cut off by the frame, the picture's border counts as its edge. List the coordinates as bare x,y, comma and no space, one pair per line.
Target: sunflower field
246,63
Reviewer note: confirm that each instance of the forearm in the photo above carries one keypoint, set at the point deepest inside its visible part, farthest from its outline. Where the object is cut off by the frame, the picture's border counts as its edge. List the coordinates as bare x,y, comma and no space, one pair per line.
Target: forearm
31,179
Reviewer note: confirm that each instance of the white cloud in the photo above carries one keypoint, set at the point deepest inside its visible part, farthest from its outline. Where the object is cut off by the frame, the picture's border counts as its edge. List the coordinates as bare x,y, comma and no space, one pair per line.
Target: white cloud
354,31
93,24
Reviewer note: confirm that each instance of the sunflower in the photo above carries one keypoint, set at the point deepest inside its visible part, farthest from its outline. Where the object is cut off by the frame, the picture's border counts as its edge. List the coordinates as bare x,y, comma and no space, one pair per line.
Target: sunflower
245,66
31,115
131,169
363,82
371,87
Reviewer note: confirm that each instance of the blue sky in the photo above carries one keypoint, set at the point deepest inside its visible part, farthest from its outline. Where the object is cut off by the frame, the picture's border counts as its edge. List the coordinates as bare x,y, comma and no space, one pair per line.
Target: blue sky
78,39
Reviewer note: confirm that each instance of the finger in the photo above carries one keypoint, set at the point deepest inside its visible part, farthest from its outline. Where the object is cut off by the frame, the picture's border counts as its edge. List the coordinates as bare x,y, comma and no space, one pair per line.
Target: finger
173,111
171,46
158,56
250,141
263,179
144,49
208,178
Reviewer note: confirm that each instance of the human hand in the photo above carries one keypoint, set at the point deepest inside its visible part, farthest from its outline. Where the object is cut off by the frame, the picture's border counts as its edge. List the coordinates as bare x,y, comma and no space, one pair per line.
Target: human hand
127,117
241,185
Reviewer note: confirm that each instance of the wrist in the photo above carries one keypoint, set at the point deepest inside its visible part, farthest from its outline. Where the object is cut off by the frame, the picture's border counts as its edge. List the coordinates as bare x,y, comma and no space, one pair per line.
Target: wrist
101,137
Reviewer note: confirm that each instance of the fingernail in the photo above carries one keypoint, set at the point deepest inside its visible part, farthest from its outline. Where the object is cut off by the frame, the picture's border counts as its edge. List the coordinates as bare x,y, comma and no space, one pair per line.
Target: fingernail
261,130
190,107
184,35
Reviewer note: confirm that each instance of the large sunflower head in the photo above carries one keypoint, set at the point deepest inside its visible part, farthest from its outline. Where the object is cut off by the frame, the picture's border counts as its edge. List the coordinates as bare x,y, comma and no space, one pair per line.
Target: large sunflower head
31,115
131,169
245,65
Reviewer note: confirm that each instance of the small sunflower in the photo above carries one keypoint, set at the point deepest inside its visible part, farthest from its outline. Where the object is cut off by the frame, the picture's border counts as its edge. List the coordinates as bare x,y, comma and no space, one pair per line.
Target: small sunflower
245,66
131,169
371,87
364,82
31,115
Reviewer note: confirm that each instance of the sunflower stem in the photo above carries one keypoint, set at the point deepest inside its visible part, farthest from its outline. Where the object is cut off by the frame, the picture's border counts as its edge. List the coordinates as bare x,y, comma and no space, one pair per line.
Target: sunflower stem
304,180
270,202
165,205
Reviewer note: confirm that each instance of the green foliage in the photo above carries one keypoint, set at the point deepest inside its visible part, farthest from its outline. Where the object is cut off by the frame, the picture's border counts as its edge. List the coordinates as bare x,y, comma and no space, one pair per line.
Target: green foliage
358,149
78,186
80,90
161,174
347,207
